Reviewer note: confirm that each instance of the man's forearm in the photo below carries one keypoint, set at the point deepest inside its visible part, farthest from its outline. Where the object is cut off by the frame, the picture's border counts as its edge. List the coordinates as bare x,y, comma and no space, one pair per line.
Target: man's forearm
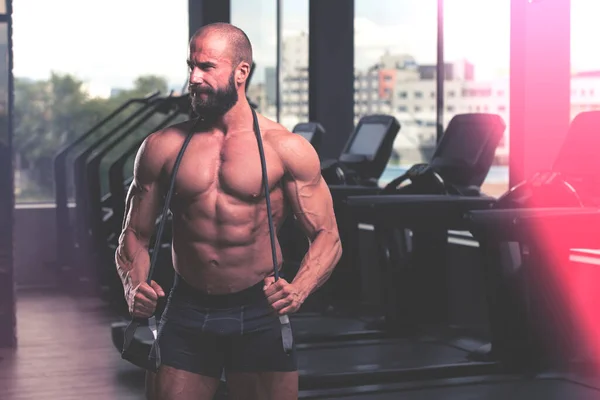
133,261
323,255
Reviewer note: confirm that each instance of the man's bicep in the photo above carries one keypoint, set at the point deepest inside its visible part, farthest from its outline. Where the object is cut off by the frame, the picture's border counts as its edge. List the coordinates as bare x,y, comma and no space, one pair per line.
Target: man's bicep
142,206
311,204
307,192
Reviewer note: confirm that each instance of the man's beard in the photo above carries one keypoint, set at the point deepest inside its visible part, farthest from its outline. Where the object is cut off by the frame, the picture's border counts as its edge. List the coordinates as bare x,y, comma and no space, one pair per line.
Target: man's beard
215,103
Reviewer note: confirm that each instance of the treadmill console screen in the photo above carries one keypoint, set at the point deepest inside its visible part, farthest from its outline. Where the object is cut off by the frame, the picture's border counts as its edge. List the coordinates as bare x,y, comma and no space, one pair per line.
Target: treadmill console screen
368,139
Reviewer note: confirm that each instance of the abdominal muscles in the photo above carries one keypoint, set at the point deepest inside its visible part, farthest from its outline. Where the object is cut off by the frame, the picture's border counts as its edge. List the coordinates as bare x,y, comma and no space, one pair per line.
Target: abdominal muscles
221,243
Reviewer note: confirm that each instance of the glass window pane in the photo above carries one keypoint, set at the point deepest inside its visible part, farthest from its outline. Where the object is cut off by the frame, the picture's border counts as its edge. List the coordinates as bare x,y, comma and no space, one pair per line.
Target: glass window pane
294,63
258,19
585,62
63,89
477,58
394,64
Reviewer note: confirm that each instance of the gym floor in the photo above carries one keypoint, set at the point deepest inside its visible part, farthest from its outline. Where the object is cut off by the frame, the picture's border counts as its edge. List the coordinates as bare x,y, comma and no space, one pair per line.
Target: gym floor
65,352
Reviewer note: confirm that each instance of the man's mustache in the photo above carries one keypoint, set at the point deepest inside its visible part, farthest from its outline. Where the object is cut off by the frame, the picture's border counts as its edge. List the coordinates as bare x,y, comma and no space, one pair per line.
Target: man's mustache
195,90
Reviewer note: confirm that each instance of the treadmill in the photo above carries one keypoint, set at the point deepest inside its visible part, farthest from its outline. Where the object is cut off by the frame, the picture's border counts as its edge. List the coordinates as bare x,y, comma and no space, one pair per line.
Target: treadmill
531,354
413,213
536,224
463,167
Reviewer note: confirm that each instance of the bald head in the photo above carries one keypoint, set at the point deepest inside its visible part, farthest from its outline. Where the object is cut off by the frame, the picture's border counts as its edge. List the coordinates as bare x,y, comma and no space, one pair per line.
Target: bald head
238,44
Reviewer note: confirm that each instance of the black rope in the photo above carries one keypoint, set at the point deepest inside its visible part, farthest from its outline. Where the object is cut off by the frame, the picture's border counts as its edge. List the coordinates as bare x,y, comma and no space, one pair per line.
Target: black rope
268,198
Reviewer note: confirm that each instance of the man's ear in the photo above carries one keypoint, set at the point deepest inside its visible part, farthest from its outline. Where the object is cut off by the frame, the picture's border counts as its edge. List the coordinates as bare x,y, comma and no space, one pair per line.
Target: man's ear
242,72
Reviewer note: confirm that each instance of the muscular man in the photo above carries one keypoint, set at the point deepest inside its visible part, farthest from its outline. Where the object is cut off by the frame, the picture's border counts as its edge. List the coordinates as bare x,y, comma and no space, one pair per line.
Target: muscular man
222,313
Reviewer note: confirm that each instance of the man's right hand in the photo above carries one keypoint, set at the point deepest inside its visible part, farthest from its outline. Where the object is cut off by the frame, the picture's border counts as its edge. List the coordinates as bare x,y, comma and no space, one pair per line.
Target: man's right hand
142,299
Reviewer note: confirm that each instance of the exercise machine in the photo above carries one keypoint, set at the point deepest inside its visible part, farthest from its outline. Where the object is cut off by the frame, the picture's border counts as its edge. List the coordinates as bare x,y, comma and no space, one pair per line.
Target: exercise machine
453,169
535,225
365,155
532,338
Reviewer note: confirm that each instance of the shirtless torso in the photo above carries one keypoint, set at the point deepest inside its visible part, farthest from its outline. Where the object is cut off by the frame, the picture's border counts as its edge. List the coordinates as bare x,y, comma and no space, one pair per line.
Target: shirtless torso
221,240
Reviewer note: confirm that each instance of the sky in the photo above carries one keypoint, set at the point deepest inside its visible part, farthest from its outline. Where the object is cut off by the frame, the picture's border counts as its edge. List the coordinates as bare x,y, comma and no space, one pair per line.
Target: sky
110,42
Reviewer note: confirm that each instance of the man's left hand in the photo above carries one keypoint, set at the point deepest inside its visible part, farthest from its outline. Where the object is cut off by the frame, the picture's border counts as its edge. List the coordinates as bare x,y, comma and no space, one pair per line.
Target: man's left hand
283,297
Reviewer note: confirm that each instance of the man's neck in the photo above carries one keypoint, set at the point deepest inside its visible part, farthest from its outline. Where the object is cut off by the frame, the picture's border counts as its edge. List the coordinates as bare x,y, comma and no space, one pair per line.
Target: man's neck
238,118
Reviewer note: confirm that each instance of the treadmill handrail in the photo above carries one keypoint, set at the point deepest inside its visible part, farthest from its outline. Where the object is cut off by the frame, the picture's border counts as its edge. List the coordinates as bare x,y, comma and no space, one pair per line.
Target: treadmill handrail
515,215
415,211
399,199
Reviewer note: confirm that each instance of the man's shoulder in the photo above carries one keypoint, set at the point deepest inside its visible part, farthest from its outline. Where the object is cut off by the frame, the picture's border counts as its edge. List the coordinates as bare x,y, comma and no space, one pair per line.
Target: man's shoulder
172,133
162,145
167,138
270,127
278,135
296,153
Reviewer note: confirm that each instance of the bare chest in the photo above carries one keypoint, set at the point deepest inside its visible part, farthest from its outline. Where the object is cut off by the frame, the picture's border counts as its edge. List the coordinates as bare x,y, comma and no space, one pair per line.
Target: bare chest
231,167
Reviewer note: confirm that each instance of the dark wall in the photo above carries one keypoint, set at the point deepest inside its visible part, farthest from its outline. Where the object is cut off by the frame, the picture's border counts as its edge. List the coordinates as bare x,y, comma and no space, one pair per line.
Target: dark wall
331,71
7,298
7,303
202,12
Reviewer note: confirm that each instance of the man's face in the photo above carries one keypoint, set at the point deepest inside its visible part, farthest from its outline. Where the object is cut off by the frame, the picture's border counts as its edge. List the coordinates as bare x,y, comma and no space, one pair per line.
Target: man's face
214,102
212,84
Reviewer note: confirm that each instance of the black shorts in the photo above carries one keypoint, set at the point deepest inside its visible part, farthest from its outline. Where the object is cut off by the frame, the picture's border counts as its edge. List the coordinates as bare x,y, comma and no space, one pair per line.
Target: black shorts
208,334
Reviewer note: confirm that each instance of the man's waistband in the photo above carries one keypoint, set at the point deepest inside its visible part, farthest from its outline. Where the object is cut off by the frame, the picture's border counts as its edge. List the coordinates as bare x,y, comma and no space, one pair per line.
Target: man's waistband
248,296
